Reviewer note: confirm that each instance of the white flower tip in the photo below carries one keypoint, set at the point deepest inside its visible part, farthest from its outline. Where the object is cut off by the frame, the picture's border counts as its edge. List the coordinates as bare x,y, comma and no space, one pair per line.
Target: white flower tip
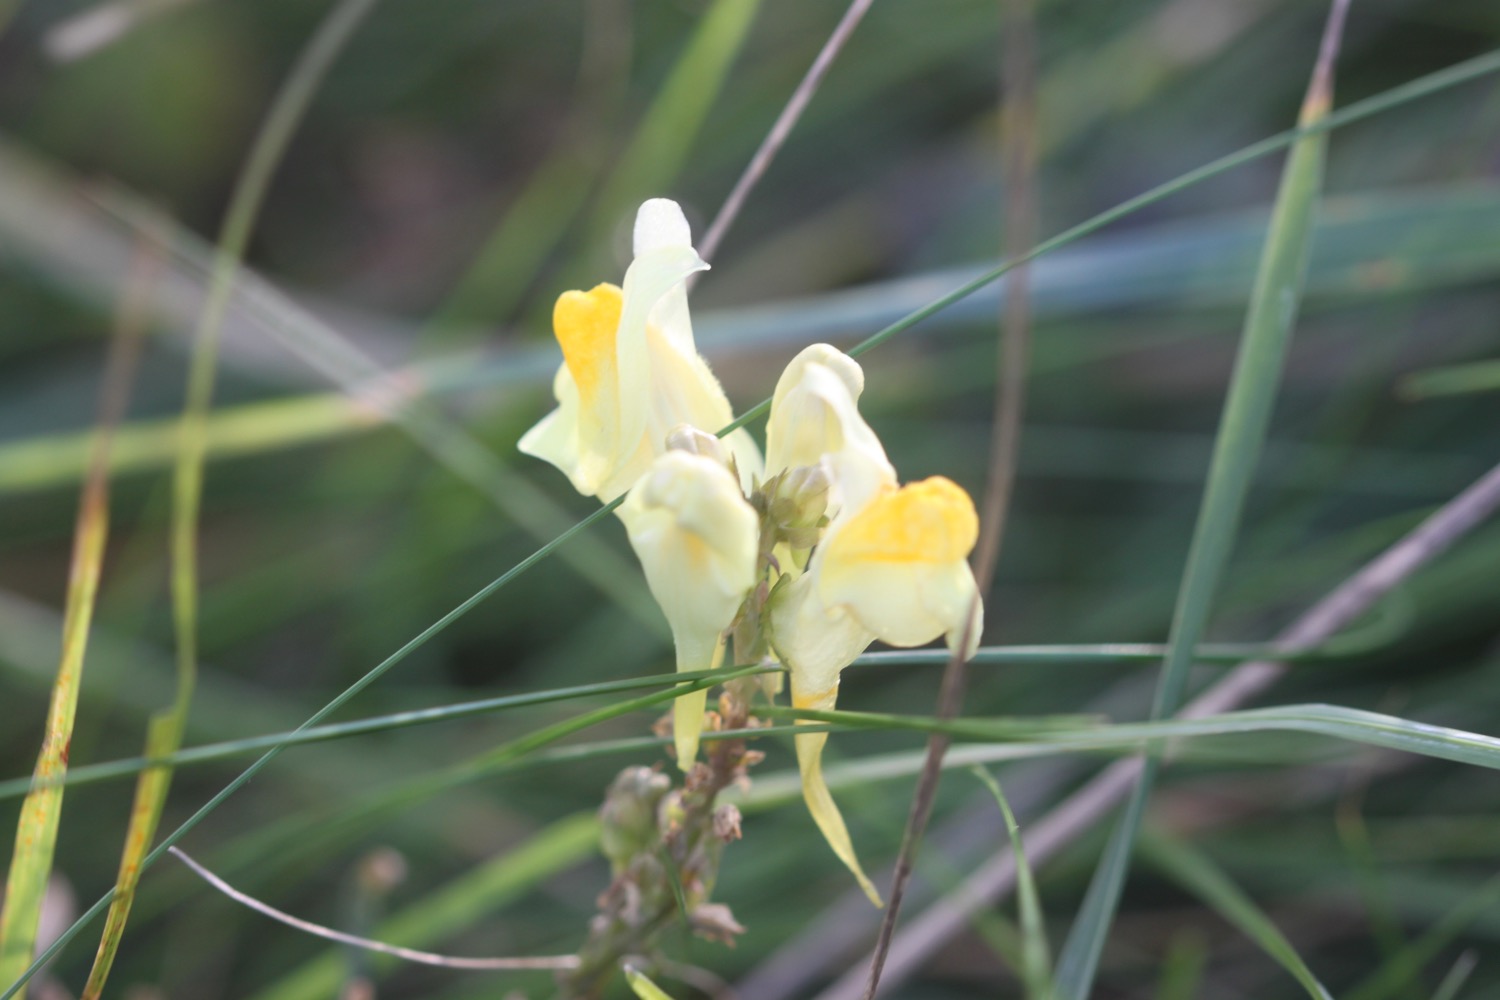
827,356
660,224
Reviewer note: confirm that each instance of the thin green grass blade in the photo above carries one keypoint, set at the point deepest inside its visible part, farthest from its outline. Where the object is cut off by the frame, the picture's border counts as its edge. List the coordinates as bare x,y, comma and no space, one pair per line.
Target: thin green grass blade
1403,969
1380,908
777,789
166,729
1182,971
344,730
308,836
1453,380
1198,875
1036,954
1335,721
1433,83
1331,721
1242,431
666,134
1352,644
1023,739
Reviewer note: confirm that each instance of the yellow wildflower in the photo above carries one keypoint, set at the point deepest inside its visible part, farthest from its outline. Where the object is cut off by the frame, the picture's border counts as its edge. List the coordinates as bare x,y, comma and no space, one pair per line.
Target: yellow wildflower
697,539
892,564
631,371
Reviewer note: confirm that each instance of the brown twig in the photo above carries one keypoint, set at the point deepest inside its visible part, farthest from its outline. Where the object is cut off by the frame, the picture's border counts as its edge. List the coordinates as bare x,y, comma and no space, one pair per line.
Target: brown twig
782,127
1018,169
1082,810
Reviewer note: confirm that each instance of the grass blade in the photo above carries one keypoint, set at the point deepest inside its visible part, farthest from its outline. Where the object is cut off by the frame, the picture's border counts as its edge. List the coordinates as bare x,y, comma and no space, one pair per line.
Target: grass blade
344,730
1182,971
1453,380
1403,969
1428,85
1036,955
661,142
1456,977
36,830
1201,877
166,728
1242,430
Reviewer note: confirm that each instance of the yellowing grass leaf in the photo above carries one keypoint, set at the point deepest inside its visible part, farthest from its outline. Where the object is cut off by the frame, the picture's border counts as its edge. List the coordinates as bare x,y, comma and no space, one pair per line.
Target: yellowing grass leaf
164,736
36,831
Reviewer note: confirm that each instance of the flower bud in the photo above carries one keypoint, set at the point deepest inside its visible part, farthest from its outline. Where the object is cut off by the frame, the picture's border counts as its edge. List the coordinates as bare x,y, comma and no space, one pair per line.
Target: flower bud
628,817
685,437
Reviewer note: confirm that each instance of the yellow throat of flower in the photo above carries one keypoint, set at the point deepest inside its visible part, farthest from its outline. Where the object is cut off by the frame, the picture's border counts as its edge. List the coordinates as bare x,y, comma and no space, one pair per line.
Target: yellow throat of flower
586,324
930,521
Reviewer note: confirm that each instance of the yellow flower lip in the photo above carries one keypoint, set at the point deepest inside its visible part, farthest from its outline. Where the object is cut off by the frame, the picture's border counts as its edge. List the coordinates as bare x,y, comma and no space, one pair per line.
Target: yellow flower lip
586,324
932,521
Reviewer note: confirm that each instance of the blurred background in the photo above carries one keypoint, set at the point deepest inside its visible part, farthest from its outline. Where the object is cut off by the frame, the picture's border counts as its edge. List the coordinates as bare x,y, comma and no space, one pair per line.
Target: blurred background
467,160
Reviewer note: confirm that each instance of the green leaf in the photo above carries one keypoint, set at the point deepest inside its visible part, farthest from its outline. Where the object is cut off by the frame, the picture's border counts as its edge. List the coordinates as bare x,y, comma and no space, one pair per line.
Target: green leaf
1242,430
1454,380
1036,955
1201,877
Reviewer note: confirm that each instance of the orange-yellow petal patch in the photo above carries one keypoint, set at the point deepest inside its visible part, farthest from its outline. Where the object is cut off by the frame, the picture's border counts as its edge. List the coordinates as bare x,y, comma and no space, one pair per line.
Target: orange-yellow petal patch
818,700
929,521
585,324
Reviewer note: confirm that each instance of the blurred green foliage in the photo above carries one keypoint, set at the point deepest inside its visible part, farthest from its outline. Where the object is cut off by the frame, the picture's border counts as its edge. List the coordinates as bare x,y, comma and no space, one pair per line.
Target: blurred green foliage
447,122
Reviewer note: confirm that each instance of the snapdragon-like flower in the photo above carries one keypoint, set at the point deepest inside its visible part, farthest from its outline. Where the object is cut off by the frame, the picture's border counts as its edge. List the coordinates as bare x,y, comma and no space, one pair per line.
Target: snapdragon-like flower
631,371
697,538
892,563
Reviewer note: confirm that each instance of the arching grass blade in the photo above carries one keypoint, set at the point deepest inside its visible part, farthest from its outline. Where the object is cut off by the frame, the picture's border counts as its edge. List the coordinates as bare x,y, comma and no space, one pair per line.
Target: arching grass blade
1242,430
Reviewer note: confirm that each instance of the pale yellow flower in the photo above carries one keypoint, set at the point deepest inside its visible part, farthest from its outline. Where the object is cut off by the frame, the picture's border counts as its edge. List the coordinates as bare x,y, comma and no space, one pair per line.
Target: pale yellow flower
631,371
892,564
697,539
815,421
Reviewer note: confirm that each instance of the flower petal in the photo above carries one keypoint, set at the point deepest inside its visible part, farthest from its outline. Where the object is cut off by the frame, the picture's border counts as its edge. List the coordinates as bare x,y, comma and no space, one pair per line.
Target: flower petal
814,641
697,539
900,566
825,812
555,438
660,223
815,419
631,371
